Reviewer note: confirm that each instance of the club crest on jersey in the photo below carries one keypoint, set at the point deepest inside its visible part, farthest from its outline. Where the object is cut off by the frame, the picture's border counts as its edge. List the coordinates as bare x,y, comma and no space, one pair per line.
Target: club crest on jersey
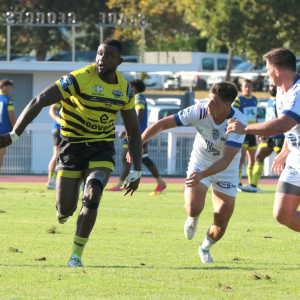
108,104
65,82
216,134
98,88
117,93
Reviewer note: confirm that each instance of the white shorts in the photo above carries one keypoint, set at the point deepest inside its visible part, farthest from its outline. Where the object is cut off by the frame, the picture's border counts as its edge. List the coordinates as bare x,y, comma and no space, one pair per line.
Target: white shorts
291,172
223,182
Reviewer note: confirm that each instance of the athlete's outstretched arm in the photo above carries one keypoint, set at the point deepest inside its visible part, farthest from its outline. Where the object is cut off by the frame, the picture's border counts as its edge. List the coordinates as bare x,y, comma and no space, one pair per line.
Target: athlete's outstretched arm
157,127
272,127
227,155
47,97
134,144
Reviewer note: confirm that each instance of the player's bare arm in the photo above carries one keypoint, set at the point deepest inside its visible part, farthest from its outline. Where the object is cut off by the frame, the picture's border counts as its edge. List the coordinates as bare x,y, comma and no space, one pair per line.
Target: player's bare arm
140,114
157,127
227,155
12,118
280,159
134,145
47,97
53,113
272,127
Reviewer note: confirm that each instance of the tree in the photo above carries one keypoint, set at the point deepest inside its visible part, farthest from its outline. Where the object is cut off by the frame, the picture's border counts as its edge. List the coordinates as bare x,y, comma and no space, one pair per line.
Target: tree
45,39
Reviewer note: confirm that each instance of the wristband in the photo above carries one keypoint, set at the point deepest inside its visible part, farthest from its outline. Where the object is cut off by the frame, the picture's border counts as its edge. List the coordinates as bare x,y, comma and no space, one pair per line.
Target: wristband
133,176
14,137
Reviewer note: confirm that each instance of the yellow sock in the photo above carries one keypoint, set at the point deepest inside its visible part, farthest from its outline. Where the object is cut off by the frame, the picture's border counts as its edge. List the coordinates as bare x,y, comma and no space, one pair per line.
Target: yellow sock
120,183
78,245
250,173
257,171
50,175
240,174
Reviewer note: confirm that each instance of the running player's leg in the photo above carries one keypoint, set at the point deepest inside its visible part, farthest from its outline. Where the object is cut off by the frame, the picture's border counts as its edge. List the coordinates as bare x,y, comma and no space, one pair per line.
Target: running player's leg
147,161
124,172
242,160
264,150
287,197
223,210
67,193
285,206
194,204
96,179
51,169
2,153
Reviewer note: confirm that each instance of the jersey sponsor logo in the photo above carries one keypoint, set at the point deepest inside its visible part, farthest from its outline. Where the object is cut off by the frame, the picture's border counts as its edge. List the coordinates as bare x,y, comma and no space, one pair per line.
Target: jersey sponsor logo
117,93
104,118
130,92
226,185
65,82
216,134
98,88
98,127
292,140
290,170
61,165
108,104
211,149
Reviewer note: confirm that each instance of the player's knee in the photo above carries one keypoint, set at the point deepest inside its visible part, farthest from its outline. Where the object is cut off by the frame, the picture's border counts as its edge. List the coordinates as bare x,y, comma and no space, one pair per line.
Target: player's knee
93,190
192,210
147,161
281,216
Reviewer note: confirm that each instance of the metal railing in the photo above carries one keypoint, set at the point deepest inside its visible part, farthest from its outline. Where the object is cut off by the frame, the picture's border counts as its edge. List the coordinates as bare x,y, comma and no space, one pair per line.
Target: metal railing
170,151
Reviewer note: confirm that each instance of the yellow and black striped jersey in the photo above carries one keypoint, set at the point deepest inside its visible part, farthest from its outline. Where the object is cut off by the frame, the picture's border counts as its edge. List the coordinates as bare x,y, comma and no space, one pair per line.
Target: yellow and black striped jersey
90,105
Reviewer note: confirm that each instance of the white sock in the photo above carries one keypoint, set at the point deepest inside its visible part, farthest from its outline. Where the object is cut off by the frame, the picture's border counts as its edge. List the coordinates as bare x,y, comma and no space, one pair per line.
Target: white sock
207,243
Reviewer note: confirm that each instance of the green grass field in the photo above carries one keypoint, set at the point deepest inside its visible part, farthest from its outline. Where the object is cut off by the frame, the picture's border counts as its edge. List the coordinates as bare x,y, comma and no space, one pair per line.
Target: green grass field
137,249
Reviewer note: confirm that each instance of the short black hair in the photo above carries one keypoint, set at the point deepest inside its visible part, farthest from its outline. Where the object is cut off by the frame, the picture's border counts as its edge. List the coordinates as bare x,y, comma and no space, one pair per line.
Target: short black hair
5,82
281,57
226,90
115,43
138,84
248,81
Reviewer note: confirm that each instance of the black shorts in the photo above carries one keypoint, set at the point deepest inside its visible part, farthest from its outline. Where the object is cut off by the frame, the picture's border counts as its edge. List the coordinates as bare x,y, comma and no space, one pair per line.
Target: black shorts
73,158
56,136
125,144
274,143
250,142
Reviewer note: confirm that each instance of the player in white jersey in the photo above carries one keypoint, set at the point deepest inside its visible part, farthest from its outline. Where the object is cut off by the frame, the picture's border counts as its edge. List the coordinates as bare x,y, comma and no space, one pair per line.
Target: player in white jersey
214,161
281,66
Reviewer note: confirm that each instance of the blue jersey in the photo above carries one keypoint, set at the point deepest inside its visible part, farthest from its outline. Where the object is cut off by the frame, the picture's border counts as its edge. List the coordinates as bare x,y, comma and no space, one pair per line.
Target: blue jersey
248,106
271,114
6,105
141,103
55,124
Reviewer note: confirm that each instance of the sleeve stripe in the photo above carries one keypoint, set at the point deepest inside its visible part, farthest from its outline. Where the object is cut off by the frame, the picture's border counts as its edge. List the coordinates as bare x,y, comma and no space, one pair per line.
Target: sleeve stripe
292,115
177,120
75,83
233,144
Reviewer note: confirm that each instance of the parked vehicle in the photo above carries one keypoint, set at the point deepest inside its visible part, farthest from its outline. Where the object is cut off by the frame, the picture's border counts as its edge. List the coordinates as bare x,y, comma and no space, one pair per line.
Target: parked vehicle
67,56
234,75
13,56
256,75
172,82
209,62
26,58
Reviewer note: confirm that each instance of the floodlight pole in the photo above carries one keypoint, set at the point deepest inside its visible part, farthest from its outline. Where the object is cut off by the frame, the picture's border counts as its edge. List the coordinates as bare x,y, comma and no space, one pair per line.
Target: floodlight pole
8,25
8,44
101,34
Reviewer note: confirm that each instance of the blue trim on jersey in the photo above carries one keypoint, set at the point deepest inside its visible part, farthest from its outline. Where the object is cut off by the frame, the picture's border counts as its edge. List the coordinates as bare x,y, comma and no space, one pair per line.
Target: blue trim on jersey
231,114
292,114
233,144
297,78
177,120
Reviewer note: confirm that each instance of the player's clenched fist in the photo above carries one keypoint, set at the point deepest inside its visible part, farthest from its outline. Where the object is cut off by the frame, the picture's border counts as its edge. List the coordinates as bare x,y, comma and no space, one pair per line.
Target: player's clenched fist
235,126
5,140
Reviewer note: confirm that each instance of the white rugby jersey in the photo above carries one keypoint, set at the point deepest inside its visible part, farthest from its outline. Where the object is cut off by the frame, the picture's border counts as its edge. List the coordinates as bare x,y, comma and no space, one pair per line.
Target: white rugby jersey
211,138
289,104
